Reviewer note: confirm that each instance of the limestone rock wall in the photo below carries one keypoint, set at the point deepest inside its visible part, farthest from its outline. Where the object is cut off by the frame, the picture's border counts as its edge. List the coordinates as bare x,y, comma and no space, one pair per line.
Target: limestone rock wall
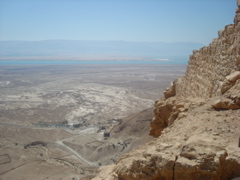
209,74
209,66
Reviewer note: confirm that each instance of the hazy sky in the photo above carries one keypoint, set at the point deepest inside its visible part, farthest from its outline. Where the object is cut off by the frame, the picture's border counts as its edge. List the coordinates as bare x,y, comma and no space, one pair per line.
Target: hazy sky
128,20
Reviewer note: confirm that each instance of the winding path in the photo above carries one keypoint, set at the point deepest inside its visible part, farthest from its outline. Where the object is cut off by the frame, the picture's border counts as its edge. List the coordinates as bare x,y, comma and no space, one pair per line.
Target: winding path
76,154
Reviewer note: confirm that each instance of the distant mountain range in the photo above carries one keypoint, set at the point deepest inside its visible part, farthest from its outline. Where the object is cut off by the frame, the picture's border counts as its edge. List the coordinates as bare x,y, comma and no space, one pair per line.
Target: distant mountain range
94,50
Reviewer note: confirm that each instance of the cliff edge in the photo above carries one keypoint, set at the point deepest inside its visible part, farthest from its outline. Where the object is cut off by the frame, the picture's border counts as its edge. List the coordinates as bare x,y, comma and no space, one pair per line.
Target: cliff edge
197,121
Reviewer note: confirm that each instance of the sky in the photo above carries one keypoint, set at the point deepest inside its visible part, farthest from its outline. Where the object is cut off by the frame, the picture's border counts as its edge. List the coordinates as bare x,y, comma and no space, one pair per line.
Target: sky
115,20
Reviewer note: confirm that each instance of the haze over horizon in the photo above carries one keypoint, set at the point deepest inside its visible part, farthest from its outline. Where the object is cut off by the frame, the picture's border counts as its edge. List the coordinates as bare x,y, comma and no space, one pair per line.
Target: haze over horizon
105,20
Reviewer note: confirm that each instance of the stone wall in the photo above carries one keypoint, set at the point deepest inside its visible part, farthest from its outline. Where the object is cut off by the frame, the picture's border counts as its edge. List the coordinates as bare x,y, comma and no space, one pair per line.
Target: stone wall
209,66
208,75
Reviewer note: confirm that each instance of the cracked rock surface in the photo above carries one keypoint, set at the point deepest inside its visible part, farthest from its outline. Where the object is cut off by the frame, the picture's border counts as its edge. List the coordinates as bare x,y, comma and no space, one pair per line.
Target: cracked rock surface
202,145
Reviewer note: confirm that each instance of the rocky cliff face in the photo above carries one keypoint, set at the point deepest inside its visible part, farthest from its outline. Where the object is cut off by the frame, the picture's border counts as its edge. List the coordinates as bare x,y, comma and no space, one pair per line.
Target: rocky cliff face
197,122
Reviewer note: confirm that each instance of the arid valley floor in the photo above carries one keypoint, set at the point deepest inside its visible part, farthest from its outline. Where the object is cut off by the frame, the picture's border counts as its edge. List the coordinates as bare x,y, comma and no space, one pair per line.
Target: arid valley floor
63,122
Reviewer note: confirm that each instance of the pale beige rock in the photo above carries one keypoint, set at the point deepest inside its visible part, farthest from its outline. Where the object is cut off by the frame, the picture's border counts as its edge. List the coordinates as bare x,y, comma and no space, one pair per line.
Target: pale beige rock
230,81
231,99
225,104
219,104
106,173
226,86
234,76
234,93
162,112
170,91
202,145
209,66
202,157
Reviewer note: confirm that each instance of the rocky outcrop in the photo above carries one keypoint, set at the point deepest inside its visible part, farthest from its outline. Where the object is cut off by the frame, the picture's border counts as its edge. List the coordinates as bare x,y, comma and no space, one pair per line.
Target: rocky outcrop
197,122
170,91
230,81
202,145
165,113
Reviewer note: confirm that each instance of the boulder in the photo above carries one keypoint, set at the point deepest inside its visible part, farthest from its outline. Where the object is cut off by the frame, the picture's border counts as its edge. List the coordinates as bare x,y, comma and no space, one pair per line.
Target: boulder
225,104
170,91
218,104
226,85
230,81
234,76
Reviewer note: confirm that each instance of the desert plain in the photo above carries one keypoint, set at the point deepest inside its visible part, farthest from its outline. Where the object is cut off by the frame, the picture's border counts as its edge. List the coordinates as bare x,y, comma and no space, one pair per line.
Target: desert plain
65,121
